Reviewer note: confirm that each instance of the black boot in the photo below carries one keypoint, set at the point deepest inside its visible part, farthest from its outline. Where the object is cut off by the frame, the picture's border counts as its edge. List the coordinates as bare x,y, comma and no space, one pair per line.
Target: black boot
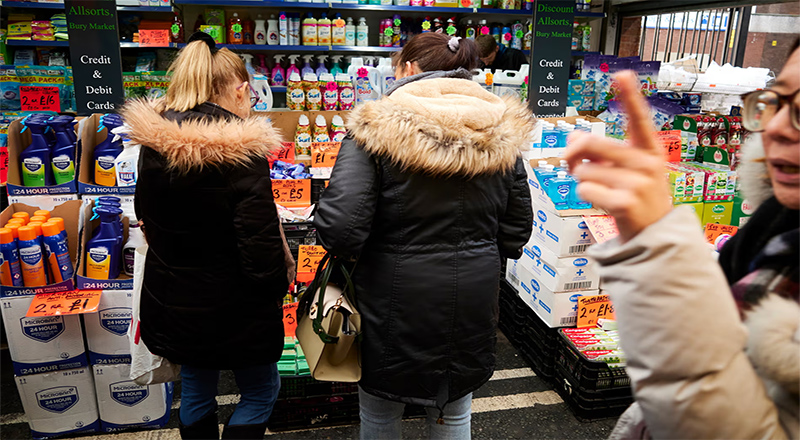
204,429
244,432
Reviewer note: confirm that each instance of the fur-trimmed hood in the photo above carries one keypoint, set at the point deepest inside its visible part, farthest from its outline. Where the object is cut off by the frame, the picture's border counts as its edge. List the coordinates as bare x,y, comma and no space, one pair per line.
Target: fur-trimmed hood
755,183
199,141
444,127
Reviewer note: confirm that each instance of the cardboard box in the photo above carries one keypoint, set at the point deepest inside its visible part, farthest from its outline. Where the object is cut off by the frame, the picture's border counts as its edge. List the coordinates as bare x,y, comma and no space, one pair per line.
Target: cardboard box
123,404
17,142
559,274
696,207
123,282
59,403
90,138
718,212
43,202
555,309
107,330
43,343
564,236
540,198
70,212
286,123
742,210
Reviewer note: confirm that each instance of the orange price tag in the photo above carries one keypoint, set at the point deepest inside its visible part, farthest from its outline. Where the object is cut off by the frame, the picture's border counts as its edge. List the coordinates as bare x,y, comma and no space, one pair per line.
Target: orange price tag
602,227
292,193
714,231
671,141
290,319
324,154
286,153
72,302
39,99
308,258
153,37
592,308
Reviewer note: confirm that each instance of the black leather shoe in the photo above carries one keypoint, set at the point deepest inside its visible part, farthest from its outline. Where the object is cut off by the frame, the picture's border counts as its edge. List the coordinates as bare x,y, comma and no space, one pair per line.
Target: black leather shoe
204,429
244,432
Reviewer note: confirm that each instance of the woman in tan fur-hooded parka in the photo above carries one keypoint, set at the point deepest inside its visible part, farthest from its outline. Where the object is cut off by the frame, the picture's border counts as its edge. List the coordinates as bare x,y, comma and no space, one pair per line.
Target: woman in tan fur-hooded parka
429,192
217,266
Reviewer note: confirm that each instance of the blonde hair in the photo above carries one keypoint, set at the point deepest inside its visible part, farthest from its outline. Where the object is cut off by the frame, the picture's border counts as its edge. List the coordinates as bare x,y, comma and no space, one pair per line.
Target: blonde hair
199,76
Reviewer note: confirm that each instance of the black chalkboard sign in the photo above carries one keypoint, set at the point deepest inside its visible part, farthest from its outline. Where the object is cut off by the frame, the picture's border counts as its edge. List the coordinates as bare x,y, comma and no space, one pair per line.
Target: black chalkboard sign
550,56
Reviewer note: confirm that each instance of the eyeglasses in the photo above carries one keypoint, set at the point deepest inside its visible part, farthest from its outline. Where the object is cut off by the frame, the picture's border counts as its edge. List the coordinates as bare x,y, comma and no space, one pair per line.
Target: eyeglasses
253,94
762,105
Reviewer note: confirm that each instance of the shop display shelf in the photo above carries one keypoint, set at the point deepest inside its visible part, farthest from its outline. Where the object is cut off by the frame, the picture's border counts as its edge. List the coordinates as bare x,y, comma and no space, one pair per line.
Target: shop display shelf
278,89
589,374
580,53
36,43
296,387
266,48
301,233
365,49
128,45
586,404
291,414
590,15
31,5
144,8
255,3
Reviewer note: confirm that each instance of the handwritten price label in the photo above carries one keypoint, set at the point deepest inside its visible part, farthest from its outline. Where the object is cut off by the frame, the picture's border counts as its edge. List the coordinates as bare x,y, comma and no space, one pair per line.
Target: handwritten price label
602,227
671,141
324,154
292,193
308,259
592,308
290,319
714,231
39,99
65,303
153,37
285,154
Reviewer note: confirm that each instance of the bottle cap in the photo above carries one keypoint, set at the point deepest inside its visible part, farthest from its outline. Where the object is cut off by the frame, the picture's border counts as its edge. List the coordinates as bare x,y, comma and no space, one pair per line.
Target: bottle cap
43,213
50,229
561,174
6,236
23,215
59,221
14,228
310,76
38,218
37,226
17,221
549,167
27,233
303,120
542,163
320,121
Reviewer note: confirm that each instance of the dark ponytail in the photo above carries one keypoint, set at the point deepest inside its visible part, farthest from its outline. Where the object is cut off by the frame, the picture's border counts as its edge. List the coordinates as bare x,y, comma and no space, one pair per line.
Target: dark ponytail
433,51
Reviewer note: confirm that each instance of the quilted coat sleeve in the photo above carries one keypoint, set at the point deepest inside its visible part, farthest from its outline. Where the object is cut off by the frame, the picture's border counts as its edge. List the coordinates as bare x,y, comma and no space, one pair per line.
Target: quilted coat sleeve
681,332
516,223
257,228
346,208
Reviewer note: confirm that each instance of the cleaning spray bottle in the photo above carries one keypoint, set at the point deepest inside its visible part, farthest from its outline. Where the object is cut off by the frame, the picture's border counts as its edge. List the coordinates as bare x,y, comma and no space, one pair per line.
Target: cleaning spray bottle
10,272
278,77
386,73
35,160
336,68
56,248
126,165
292,65
307,67
295,95
321,65
63,154
248,63
103,252
31,257
262,68
106,152
321,129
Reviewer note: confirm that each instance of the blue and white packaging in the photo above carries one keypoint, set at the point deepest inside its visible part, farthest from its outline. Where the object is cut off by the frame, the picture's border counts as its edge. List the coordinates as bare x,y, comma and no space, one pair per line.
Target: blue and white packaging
41,344
59,403
559,274
107,330
556,309
564,236
123,404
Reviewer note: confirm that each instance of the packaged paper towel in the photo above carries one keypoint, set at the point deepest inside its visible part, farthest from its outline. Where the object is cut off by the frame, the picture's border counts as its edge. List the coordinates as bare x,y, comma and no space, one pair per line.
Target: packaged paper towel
123,404
107,330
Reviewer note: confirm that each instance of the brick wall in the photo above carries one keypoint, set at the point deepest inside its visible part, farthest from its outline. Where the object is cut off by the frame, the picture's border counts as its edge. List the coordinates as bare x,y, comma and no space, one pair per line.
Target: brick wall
631,36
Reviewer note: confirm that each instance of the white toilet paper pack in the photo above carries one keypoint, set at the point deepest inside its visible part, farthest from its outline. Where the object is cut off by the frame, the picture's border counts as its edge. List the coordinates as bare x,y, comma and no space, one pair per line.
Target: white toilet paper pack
106,330
123,404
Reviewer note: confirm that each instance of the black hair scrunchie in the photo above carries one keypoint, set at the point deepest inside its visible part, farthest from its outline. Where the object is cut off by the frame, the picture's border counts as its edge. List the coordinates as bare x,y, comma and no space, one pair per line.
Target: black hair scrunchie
205,38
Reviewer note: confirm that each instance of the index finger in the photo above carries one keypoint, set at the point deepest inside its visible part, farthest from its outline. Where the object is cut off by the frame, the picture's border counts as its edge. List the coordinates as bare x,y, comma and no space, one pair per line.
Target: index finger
640,128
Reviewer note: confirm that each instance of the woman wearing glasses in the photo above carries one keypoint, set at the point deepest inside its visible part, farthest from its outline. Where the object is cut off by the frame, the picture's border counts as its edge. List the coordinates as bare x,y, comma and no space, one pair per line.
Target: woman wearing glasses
217,267
713,352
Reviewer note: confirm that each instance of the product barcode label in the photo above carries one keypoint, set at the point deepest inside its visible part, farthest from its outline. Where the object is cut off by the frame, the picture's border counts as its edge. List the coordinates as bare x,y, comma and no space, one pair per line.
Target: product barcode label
569,320
513,280
578,249
578,286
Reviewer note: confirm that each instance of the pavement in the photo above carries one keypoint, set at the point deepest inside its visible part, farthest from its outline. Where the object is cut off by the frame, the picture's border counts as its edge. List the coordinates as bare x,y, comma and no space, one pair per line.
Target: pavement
514,404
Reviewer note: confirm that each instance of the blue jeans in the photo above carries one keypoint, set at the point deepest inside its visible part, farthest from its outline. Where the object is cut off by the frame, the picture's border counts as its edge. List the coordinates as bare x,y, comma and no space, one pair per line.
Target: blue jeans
258,387
381,418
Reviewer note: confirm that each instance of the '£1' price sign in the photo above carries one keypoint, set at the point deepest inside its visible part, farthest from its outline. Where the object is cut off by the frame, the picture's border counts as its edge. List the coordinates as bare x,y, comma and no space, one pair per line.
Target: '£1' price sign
292,193
324,154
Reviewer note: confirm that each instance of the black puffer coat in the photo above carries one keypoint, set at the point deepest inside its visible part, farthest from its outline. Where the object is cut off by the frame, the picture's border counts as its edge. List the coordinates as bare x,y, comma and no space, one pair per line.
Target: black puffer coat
216,268
430,192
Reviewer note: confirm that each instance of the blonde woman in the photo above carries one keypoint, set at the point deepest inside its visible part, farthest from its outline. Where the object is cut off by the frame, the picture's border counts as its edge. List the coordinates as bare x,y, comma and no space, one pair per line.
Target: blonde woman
216,268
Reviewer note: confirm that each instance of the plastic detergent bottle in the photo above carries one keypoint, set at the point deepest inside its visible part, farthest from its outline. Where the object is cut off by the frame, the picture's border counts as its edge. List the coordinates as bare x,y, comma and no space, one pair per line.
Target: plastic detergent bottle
292,66
295,95
386,72
103,251
362,32
313,94
35,160
260,31
310,31
321,65
336,68
135,239
273,31
349,33
10,272
545,175
338,31
324,30
56,249
538,169
366,82
278,75
549,136
63,154
330,91
559,190
338,130
347,94
302,137
235,34
31,257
